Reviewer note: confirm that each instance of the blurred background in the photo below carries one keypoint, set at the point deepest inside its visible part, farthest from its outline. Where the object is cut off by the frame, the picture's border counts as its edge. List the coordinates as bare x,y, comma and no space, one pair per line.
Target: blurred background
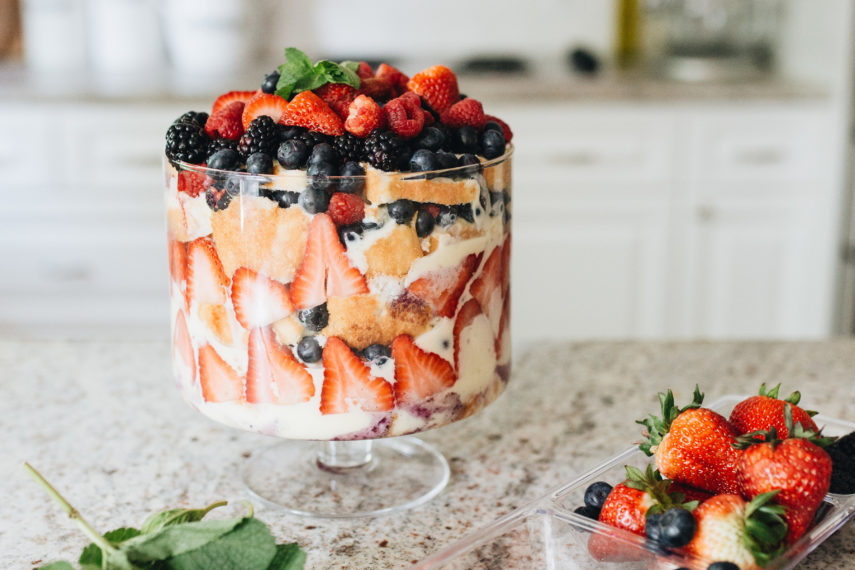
682,166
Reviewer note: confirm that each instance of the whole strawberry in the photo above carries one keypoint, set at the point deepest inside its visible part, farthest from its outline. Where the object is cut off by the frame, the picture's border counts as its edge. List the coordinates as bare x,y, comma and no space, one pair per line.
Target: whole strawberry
764,411
730,529
692,445
798,467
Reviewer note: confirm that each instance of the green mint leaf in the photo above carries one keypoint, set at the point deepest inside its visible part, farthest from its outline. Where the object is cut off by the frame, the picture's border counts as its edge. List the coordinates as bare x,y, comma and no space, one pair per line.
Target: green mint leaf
288,557
250,546
177,539
170,517
60,565
335,73
298,74
92,553
296,67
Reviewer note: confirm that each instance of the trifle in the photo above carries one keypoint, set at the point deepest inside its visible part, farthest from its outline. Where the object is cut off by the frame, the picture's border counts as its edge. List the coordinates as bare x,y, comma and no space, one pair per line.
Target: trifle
339,249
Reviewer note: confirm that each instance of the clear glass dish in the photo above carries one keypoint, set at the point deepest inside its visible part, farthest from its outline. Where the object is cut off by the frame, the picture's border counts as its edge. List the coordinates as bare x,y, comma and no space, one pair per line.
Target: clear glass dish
548,534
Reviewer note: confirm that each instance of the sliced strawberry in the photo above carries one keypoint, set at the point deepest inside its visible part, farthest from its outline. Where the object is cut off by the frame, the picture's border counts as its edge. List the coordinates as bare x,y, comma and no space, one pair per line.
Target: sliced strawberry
268,104
506,266
364,70
258,300
326,270
487,288
309,111
220,382
441,289
404,115
206,280
348,382
467,314
438,86
346,209
231,97
182,345
396,79
376,88
177,260
418,374
338,96
193,183
509,134
504,327
273,375
363,116
226,123
467,112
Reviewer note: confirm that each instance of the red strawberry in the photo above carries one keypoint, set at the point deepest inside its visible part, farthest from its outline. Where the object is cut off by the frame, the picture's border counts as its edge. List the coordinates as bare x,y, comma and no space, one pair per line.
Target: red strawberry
346,209
504,327
220,382
338,96
467,314
506,266
441,289
731,530
258,300
396,79
182,345
193,183
438,86
797,467
509,134
206,280
693,445
364,70
348,382
273,375
326,270
377,89
487,288
231,97
404,115
418,374
363,116
764,411
177,260
429,120
226,123
268,104
309,111
467,112
689,493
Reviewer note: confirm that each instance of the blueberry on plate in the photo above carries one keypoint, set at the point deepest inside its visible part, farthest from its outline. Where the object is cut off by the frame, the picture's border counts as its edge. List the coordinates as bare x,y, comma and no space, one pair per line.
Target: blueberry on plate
677,527
596,493
466,139
309,350
447,160
224,159
587,512
314,318
494,126
259,163
324,152
292,154
424,160
653,527
431,138
492,144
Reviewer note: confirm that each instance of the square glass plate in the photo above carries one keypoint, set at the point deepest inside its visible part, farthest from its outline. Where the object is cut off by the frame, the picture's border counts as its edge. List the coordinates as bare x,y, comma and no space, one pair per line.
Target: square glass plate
548,534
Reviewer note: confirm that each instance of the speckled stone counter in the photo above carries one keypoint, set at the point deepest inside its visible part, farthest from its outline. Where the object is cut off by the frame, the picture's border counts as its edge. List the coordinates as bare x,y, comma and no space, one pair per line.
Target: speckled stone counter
104,422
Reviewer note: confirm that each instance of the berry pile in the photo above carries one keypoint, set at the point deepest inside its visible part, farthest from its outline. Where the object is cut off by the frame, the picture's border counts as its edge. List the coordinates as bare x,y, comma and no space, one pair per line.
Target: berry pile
733,490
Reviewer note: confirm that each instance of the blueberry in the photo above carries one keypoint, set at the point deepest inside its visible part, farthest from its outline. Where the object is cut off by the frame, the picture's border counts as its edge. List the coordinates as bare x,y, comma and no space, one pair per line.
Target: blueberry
314,200
323,152
723,566
308,349
355,184
259,163
371,226
431,138
677,527
315,318
424,223
588,512
494,126
472,162
492,144
447,160
319,173
288,133
424,160
269,83
653,527
283,198
596,493
465,211
402,211
292,154
465,139
349,234
224,159
377,353
446,217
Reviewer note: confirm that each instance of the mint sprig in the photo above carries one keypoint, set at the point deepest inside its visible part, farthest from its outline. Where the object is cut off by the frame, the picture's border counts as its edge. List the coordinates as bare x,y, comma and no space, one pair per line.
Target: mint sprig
179,539
299,74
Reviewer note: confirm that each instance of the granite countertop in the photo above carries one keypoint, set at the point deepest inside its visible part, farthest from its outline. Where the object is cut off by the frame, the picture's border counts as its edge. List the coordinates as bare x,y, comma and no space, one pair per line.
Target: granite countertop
104,422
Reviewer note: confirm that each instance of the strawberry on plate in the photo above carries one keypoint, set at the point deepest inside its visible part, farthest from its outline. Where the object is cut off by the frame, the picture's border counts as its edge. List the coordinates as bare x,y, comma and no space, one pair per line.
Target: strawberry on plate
437,85
231,97
442,288
418,374
692,445
765,410
268,104
220,382
310,111
273,375
206,280
325,271
348,383
258,300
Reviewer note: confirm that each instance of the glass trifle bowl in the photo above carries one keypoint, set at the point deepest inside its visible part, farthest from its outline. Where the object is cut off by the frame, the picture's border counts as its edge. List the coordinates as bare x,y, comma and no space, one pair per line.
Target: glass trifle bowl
286,321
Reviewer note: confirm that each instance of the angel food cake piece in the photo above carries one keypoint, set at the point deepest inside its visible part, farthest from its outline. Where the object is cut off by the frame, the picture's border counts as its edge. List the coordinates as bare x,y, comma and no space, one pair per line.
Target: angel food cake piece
340,257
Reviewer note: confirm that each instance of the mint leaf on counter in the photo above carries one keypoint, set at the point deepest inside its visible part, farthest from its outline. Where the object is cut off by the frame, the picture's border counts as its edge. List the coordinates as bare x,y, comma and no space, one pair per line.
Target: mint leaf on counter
92,554
250,546
288,557
61,565
298,74
170,517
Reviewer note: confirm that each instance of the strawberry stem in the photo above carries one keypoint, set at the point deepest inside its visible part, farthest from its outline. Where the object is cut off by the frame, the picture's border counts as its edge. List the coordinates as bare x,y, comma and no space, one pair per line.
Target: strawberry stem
657,427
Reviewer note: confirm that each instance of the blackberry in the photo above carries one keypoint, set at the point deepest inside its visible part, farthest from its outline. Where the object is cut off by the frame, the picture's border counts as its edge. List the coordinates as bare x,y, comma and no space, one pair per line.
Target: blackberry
311,138
200,118
219,144
349,147
385,150
261,136
187,142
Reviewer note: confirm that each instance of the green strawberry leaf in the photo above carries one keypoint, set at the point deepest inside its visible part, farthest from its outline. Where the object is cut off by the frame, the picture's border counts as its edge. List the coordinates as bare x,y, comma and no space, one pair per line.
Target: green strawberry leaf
288,557
170,517
92,554
248,546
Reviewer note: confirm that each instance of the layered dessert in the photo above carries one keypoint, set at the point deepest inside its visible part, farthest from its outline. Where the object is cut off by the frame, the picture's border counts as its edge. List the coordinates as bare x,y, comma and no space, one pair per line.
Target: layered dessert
339,251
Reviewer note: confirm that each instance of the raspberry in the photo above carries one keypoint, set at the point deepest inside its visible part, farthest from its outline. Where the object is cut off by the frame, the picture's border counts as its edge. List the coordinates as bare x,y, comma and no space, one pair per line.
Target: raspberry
364,71
193,183
364,115
377,89
346,209
338,96
226,123
467,112
405,115
396,79
438,85
509,134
